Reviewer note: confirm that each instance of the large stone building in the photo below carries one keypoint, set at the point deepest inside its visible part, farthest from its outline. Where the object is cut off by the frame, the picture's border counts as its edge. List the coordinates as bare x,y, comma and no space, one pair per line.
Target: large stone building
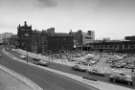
24,36
77,38
60,41
43,41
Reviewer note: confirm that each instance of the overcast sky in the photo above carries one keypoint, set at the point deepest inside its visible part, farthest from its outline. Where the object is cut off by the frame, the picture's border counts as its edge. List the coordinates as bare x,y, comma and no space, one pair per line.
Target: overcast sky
108,18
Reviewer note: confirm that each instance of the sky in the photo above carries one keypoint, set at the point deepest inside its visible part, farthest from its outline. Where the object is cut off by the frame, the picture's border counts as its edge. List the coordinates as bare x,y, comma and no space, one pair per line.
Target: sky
108,18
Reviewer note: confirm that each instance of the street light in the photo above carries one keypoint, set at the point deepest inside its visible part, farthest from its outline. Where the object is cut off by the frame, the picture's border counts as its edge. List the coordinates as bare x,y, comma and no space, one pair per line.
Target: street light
26,36
27,56
49,55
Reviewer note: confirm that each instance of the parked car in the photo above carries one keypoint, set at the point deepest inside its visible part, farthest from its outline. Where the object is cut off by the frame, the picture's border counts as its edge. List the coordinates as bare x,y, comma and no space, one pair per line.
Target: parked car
130,66
81,66
95,72
23,57
120,77
109,61
78,68
42,62
36,59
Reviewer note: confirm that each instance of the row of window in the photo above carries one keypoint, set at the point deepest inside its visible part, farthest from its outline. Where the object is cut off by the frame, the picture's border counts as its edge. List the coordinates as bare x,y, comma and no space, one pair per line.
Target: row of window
113,46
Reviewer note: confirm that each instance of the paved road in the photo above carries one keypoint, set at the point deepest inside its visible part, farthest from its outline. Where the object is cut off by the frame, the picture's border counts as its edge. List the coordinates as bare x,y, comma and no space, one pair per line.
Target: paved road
47,80
68,69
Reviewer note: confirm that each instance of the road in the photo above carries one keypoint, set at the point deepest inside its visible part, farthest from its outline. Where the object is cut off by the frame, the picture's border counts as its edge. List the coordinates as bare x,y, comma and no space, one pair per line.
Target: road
45,79
68,69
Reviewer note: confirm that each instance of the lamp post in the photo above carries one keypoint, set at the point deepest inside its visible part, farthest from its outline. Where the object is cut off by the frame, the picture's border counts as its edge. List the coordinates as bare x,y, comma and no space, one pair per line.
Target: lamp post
27,56
49,55
26,35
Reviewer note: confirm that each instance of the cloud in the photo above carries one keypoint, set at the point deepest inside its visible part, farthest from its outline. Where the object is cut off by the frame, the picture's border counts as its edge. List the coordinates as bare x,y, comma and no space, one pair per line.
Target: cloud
47,3
28,3
16,4
117,3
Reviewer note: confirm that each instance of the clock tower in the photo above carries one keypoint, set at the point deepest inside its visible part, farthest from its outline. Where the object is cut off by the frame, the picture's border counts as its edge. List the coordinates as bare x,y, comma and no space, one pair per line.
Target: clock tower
24,36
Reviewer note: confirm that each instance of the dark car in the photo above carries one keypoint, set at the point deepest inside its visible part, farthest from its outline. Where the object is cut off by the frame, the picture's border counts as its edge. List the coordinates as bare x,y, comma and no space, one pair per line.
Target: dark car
36,59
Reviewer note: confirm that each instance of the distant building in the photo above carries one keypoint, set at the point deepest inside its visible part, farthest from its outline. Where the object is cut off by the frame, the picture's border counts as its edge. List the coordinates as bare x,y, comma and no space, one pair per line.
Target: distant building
130,38
51,30
4,37
13,41
88,37
39,41
43,41
112,46
107,39
60,41
1,39
24,36
77,37
35,41
82,38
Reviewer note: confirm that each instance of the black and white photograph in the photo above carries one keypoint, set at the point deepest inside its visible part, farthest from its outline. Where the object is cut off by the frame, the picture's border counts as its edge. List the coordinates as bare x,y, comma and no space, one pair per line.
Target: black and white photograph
67,44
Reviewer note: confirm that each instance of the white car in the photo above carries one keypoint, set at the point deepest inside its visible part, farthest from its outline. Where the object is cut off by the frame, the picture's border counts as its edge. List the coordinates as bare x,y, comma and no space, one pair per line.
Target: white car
95,71
42,62
121,77
81,66
23,57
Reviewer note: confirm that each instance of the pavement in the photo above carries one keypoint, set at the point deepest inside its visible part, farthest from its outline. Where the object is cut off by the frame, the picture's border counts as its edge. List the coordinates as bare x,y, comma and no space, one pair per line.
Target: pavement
14,81
8,82
98,84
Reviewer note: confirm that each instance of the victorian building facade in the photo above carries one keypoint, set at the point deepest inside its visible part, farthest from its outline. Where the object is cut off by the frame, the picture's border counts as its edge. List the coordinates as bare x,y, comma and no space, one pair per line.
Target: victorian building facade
43,41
